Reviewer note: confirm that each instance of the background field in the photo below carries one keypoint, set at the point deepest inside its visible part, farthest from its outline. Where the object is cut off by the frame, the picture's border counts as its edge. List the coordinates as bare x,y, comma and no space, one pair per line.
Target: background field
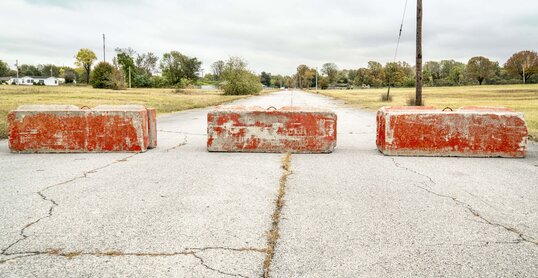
164,100
523,98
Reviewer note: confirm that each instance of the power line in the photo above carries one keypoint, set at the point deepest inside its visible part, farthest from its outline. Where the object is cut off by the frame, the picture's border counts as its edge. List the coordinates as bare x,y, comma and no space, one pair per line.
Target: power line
397,45
400,34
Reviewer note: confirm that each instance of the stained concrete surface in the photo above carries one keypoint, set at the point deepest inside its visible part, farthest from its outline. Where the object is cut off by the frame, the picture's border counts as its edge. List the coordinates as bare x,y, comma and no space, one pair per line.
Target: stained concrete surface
179,211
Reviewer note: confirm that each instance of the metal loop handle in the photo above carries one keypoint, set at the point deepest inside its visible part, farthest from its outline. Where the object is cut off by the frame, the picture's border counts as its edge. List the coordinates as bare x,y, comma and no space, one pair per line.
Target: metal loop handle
85,107
448,108
271,107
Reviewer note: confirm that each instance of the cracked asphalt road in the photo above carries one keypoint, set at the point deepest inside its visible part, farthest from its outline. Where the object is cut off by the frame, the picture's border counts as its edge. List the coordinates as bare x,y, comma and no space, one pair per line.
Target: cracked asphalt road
179,211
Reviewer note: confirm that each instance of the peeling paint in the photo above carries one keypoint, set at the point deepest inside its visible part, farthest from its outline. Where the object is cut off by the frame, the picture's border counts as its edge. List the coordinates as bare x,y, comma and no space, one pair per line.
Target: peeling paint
57,128
469,131
254,129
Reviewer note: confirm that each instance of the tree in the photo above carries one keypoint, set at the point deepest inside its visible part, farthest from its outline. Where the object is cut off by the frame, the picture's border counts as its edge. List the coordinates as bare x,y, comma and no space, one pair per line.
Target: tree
70,76
146,63
45,70
176,66
376,75
432,72
305,76
331,71
238,80
4,69
103,76
523,64
85,58
479,68
265,79
29,70
217,68
394,74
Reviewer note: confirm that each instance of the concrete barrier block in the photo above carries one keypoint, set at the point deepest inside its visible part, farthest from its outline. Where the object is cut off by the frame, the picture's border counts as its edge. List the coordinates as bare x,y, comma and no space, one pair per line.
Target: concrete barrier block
468,132
60,128
255,129
152,128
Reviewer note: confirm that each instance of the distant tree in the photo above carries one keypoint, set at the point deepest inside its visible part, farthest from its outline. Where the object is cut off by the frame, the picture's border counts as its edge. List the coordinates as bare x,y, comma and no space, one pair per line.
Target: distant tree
331,71
431,72
361,77
479,68
342,77
4,69
305,77
176,66
265,79
69,75
103,76
29,70
45,70
125,61
146,63
217,68
376,74
84,59
238,80
323,82
523,64
394,74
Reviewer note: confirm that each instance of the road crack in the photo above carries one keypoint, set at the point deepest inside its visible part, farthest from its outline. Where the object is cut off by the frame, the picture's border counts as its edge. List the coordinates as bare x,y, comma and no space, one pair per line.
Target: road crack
53,203
274,233
181,132
178,145
194,252
521,236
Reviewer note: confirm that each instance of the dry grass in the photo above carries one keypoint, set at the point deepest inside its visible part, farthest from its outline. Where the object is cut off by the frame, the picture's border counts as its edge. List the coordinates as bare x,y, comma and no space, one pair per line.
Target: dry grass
164,100
523,98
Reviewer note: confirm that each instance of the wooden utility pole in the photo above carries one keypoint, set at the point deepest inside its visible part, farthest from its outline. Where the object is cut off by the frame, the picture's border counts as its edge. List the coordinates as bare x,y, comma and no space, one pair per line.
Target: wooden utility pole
104,49
418,96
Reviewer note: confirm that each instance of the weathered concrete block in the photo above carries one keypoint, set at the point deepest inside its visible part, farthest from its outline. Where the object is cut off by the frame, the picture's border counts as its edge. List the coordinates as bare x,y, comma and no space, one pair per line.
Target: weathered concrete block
152,128
254,129
468,132
66,128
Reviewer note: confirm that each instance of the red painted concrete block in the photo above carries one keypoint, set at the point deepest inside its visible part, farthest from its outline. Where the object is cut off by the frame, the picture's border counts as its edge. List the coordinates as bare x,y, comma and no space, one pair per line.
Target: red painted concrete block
67,128
254,129
467,132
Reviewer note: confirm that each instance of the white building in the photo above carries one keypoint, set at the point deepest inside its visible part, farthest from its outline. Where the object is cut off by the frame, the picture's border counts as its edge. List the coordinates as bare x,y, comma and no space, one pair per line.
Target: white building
30,80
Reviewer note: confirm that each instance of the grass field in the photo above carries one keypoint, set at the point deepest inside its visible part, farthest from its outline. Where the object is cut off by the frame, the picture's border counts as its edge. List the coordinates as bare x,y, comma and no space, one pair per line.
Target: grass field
523,98
164,100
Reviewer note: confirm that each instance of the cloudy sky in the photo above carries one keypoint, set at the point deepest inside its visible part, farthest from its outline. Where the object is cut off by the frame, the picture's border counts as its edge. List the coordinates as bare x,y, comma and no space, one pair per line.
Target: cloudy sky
273,36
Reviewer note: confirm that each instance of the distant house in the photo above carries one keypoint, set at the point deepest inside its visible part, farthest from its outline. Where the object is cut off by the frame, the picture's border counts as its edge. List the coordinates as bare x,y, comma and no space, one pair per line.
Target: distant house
47,81
31,80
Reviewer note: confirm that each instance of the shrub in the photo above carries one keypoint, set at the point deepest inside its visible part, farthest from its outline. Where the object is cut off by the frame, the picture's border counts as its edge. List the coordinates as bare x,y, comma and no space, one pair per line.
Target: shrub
238,80
411,101
386,98
106,76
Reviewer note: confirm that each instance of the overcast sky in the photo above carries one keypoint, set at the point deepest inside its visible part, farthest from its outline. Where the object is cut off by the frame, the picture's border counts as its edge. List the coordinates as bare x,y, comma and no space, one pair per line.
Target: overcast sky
272,35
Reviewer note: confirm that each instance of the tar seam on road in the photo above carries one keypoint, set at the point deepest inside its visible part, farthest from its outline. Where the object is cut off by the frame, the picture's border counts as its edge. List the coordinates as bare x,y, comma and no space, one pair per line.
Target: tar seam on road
53,203
274,233
521,236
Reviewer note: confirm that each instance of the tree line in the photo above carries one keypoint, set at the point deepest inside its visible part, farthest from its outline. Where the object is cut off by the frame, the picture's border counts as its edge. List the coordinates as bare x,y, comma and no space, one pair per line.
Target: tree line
521,67
175,69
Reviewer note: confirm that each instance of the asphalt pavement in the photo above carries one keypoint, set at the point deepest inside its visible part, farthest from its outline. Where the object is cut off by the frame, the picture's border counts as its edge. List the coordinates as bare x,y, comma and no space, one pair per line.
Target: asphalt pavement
180,211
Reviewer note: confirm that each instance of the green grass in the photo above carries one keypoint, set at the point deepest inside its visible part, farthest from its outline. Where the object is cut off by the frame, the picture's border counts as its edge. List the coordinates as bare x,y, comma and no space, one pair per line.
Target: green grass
522,98
164,100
